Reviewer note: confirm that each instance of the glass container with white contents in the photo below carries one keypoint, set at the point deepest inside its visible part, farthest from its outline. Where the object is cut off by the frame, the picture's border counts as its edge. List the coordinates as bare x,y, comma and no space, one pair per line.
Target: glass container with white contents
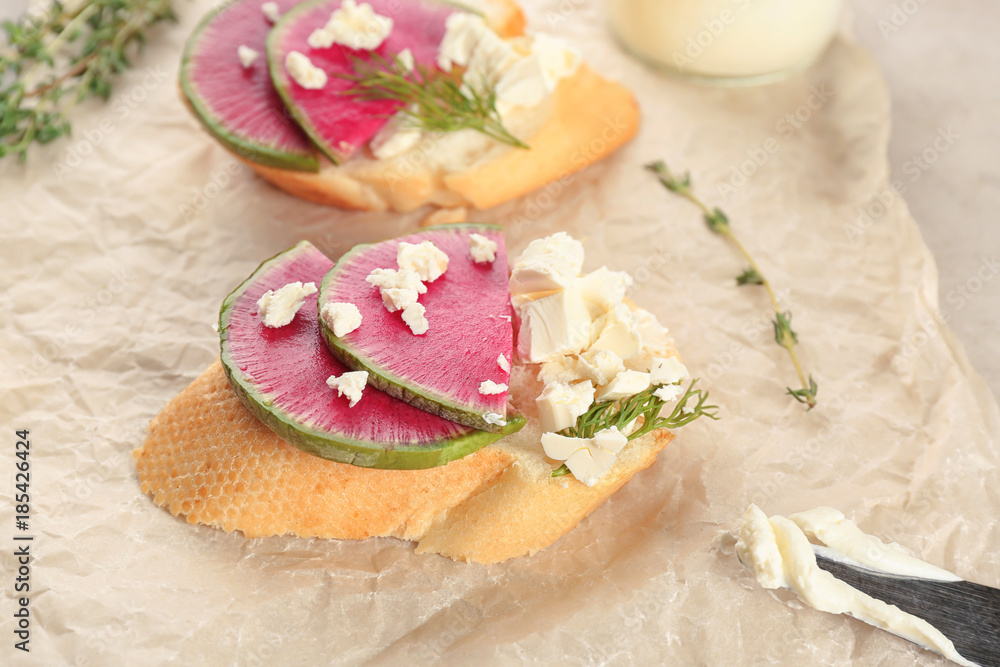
726,41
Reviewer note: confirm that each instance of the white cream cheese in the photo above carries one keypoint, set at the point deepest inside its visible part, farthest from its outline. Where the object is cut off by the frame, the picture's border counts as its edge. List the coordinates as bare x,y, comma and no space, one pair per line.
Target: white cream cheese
399,287
503,363
617,331
559,368
303,72
603,289
494,418
351,384
600,366
667,371
271,11
246,55
413,316
341,317
669,392
395,137
354,26
554,325
586,458
278,307
561,404
550,263
482,249
490,388
424,259
780,555
625,384
405,58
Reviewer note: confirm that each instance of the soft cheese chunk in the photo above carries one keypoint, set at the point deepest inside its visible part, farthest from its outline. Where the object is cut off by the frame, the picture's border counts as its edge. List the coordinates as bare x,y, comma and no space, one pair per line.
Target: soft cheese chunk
600,366
550,263
667,371
399,288
303,72
604,289
561,404
618,332
271,11
669,392
246,55
395,137
587,458
405,58
494,418
462,32
489,388
350,384
354,26
278,307
554,325
342,318
483,250
503,363
624,385
414,317
424,259
559,368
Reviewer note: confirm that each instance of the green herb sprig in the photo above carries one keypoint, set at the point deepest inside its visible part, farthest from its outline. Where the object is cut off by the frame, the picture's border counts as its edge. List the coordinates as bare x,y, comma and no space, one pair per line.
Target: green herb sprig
718,222
645,405
432,99
73,51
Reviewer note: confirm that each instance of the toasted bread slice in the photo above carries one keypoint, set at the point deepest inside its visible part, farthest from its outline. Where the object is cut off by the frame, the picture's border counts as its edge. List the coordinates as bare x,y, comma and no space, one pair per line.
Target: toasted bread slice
207,458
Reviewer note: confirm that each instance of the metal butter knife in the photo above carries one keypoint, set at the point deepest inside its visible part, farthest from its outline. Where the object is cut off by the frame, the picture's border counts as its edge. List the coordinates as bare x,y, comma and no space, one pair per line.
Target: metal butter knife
966,613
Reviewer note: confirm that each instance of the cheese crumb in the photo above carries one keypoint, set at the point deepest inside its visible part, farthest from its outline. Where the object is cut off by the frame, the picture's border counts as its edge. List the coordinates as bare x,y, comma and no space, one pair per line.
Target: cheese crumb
483,250
413,315
503,363
561,404
617,331
354,26
350,384
554,325
669,392
667,371
425,259
494,418
600,366
405,58
587,458
246,55
558,369
278,307
550,263
399,288
628,383
271,11
303,72
395,137
342,318
490,388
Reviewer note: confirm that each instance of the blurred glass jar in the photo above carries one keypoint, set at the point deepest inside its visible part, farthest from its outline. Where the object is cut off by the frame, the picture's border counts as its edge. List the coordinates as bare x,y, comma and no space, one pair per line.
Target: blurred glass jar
726,41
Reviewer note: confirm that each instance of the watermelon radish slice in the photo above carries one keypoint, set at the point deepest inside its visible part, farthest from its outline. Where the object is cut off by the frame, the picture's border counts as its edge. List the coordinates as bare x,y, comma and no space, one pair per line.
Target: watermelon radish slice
238,105
469,312
338,124
280,375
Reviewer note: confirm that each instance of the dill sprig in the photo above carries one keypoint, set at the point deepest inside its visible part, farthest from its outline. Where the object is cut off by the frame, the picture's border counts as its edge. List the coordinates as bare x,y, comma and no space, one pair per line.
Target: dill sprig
72,51
644,405
432,99
717,221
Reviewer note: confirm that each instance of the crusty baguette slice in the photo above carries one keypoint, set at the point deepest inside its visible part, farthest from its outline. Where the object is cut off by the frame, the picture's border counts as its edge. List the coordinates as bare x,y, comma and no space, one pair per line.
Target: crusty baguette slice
209,459
588,118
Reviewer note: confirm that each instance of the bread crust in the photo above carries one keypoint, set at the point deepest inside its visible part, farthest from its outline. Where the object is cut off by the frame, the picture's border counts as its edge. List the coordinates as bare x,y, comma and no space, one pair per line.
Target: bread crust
590,117
207,458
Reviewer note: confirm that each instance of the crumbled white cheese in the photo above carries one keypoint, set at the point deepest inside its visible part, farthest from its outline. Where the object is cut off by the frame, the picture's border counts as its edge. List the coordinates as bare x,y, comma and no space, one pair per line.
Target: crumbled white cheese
271,11
494,419
395,137
503,363
550,263
490,388
603,289
628,383
554,325
669,392
618,332
246,55
342,318
354,26
559,368
557,59
483,250
587,458
656,341
425,259
278,307
561,404
778,553
667,371
413,315
399,288
350,384
303,72
405,58
600,366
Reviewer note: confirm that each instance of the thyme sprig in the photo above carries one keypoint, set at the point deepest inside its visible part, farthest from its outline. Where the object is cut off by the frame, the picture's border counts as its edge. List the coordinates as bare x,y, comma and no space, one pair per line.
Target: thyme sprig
718,222
431,99
644,405
72,51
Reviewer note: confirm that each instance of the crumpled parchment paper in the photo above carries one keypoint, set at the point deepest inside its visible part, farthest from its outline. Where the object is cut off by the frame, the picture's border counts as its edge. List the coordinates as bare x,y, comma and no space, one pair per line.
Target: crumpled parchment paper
119,244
